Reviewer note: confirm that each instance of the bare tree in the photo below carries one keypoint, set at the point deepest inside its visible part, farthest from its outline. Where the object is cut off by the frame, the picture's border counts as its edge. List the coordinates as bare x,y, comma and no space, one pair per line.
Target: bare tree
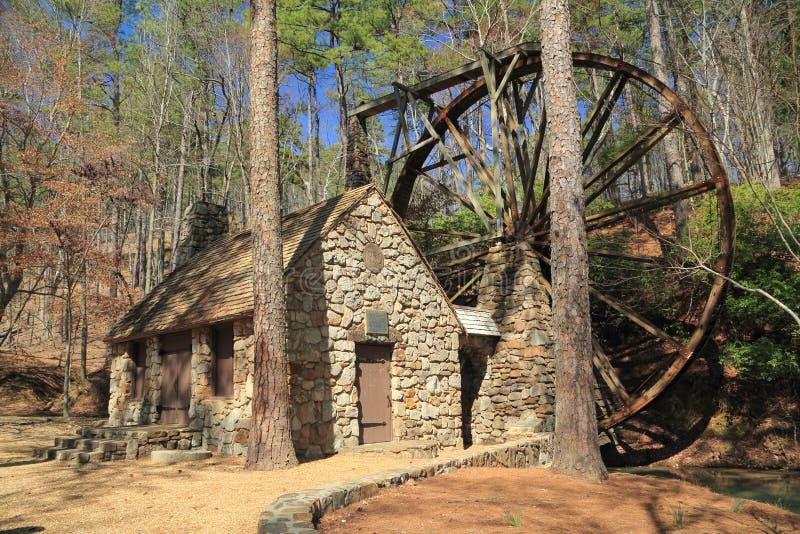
577,452
672,148
270,445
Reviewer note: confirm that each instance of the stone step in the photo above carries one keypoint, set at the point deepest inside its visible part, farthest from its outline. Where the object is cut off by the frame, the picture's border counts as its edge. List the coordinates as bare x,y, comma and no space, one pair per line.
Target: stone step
66,454
47,453
76,456
65,442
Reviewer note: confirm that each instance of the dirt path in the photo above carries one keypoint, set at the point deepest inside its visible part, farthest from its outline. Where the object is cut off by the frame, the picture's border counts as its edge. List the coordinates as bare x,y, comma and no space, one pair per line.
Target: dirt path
137,496
490,500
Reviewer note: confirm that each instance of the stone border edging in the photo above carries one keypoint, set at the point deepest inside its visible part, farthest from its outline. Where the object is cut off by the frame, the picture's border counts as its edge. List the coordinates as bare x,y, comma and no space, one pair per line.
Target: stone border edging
298,513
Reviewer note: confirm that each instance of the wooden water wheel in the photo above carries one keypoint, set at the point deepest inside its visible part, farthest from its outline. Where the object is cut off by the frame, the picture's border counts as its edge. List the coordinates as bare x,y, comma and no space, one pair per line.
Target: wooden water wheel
474,139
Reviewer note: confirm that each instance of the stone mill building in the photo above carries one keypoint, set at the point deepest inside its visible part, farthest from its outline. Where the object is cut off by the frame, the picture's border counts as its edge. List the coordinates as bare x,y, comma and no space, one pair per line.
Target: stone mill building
377,352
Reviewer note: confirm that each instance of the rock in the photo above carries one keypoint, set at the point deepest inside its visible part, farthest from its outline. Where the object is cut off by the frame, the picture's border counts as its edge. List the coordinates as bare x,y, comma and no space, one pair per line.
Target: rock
175,456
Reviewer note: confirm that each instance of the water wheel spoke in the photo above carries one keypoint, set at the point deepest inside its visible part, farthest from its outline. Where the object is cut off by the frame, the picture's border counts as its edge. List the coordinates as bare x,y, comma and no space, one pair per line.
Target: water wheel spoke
530,206
466,286
608,373
654,260
474,159
442,232
524,105
462,244
606,103
442,163
461,260
635,317
613,215
471,203
628,157
507,131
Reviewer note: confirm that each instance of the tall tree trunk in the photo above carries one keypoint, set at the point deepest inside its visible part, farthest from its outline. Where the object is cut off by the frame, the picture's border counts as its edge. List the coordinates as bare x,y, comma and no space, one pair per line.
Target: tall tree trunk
341,90
321,192
270,444
310,181
84,322
577,451
672,149
68,357
761,118
140,262
176,217
148,273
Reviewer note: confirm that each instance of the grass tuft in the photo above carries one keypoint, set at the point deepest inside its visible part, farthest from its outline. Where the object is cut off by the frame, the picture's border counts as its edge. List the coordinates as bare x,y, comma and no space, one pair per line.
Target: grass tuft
513,520
677,517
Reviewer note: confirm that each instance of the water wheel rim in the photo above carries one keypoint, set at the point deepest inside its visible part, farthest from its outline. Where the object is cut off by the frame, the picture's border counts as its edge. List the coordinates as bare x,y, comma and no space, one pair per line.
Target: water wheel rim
531,64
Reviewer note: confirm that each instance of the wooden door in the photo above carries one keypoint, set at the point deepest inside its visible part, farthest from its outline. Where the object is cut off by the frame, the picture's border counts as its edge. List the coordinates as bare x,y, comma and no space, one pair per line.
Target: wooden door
176,378
373,379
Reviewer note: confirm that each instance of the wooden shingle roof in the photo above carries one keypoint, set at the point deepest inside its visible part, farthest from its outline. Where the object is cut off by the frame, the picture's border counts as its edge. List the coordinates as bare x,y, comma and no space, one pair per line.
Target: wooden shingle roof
477,322
216,284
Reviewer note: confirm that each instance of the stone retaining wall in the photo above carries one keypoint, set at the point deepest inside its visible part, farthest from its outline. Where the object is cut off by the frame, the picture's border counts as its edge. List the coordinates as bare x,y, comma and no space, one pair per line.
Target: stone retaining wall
298,513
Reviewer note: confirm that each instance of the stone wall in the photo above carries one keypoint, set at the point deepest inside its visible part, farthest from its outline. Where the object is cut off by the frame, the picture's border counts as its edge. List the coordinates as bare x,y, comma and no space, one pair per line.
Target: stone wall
425,377
122,409
226,421
121,378
516,390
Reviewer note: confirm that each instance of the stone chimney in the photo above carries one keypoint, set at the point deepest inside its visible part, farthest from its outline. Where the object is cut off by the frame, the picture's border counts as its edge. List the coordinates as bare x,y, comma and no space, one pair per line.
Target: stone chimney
202,223
357,156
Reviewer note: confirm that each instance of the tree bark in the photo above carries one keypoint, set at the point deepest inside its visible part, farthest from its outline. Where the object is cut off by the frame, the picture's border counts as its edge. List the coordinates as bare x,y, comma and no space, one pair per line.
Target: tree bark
577,451
270,442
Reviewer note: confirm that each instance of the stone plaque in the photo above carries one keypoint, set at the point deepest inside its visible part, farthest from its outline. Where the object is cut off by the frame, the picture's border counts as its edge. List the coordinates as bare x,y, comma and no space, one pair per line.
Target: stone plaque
377,323
373,257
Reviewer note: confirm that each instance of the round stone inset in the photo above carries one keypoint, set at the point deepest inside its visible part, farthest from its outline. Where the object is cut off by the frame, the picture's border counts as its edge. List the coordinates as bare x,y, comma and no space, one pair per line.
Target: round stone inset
373,257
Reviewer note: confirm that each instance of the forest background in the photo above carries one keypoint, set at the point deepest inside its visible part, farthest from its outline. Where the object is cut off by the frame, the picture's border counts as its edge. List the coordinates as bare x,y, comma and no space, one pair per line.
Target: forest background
117,114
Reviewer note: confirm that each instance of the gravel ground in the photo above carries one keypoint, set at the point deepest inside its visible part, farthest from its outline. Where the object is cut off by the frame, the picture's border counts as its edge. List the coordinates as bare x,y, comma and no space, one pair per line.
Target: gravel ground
216,495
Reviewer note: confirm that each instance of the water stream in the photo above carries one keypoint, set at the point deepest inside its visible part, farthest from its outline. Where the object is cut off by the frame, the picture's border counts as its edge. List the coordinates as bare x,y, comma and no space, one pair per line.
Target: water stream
780,488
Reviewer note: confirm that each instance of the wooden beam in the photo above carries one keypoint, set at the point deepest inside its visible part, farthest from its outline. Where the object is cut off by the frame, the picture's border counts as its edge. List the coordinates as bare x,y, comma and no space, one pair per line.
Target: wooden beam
634,317
463,74
464,243
655,260
608,373
440,231
455,196
612,215
466,286
628,157
442,163
608,107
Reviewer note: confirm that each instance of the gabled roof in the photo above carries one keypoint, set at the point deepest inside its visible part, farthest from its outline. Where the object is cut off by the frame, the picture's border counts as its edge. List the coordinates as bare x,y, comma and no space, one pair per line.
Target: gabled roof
216,284
477,322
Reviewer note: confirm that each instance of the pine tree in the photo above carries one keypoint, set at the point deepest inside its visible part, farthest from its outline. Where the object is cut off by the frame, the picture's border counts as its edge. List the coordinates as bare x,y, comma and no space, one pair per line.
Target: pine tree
270,445
577,452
